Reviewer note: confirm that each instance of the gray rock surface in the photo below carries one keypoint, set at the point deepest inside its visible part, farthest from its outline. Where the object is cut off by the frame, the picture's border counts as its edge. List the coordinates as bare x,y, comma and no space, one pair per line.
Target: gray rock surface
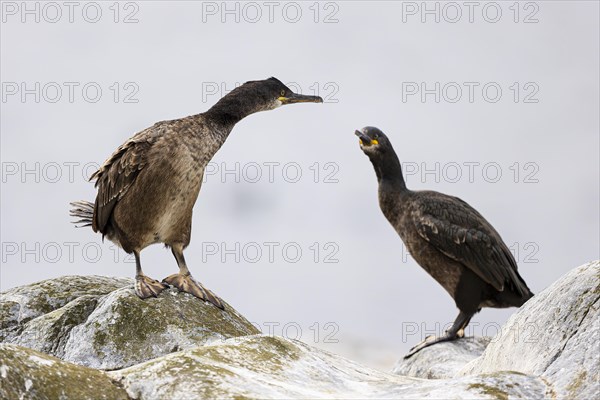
555,335
28,374
176,346
444,360
24,303
273,368
100,322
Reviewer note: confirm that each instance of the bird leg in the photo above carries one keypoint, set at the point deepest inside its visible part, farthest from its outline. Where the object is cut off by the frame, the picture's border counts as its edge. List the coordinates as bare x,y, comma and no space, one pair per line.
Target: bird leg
145,286
185,282
457,331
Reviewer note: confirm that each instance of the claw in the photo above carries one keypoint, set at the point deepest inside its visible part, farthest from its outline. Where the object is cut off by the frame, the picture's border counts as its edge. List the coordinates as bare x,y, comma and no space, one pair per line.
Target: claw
429,341
187,283
146,287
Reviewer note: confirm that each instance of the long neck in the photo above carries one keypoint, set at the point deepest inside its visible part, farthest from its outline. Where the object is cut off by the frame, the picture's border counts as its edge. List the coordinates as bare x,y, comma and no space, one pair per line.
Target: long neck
388,170
231,109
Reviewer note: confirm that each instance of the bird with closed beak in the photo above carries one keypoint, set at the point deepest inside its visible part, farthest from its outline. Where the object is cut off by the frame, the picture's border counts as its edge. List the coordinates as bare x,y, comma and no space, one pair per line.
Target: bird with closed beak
148,187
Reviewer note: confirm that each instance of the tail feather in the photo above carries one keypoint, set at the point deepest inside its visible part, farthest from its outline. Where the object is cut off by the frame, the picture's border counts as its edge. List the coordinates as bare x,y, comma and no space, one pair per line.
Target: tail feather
84,210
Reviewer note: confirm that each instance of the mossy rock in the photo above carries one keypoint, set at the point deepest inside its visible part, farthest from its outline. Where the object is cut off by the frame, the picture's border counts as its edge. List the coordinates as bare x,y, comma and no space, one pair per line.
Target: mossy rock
273,368
49,333
203,372
177,346
555,335
99,322
124,330
28,374
22,304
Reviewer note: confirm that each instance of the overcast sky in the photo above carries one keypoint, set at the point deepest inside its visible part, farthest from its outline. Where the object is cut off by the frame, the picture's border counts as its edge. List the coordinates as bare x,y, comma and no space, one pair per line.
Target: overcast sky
494,103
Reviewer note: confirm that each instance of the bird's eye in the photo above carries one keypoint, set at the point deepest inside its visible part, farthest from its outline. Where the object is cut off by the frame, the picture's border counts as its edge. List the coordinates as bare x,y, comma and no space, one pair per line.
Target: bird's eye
282,93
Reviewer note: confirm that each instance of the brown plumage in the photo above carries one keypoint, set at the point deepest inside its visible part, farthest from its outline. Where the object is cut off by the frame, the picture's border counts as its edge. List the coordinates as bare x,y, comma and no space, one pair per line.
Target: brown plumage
448,238
149,185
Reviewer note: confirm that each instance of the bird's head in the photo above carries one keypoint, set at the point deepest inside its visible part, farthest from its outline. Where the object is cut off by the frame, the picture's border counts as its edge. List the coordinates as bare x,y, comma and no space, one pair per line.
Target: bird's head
376,145
271,93
372,141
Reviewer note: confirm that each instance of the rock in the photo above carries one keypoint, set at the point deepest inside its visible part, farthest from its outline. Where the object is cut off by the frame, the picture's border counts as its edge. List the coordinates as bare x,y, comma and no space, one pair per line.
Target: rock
24,303
101,323
272,367
443,360
555,335
176,346
28,374
49,333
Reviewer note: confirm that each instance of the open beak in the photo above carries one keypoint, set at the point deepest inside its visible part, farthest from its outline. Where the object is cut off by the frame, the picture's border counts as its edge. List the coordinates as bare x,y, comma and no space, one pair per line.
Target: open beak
364,139
300,98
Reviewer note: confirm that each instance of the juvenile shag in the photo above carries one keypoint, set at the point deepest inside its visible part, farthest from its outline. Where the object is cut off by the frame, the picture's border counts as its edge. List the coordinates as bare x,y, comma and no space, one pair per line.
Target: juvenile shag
148,186
448,238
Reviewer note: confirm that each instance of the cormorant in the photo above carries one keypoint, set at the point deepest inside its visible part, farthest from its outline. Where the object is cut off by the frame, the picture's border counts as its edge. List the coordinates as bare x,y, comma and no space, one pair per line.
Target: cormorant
448,238
148,186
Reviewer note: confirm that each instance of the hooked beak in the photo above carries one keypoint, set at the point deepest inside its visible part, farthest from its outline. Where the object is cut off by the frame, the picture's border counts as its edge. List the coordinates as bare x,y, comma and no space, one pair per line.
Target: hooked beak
300,98
364,139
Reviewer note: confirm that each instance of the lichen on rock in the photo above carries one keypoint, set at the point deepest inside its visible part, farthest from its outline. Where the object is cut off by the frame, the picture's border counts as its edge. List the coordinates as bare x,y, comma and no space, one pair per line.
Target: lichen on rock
24,303
28,374
99,322
273,367
124,330
555,335
176,346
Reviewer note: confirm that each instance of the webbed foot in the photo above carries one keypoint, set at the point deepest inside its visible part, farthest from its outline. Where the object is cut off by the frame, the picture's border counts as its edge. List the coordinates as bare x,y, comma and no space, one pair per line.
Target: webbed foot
431,340
187,283
147,287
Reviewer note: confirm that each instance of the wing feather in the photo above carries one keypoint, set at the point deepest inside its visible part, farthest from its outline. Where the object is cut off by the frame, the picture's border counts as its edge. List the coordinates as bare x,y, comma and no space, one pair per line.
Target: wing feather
458,231
118,174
